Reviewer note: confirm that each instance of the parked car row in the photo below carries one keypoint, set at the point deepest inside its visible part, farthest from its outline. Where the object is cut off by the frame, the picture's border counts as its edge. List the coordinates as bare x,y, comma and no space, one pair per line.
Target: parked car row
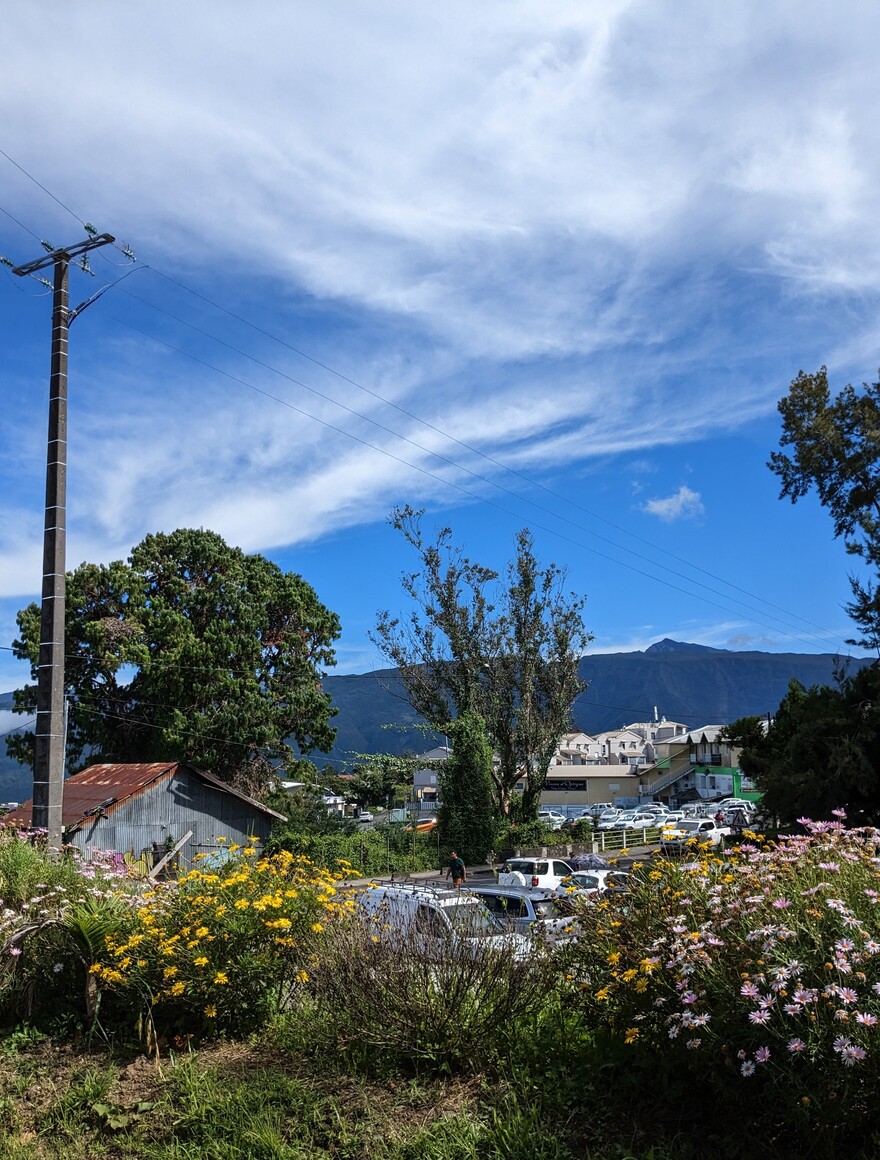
429,919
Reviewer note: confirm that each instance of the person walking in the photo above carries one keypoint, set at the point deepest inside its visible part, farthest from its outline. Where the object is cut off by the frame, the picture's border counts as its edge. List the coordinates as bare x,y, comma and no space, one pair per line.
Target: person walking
456,870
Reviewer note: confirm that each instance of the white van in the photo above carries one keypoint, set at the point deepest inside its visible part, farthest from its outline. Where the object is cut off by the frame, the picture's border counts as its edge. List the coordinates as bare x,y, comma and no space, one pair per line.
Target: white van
432,918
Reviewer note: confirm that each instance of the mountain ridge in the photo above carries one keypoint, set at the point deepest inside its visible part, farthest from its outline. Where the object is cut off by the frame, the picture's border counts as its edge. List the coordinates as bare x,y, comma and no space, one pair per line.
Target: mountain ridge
692,683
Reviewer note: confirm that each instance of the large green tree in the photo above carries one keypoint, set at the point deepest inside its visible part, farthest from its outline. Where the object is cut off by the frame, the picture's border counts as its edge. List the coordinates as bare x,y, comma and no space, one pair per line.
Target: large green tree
835,448
379,778
508,650
820,752
191,650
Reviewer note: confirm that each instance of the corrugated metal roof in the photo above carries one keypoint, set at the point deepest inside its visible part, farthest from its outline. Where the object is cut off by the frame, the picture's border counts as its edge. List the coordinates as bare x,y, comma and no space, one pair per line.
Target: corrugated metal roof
106,787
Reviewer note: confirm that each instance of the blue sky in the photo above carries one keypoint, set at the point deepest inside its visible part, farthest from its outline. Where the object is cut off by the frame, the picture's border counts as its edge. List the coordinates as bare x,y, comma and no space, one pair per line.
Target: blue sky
558,262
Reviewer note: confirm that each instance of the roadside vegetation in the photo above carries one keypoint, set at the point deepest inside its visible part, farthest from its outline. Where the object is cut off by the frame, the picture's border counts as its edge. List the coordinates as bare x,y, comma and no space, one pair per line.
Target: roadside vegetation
727,1006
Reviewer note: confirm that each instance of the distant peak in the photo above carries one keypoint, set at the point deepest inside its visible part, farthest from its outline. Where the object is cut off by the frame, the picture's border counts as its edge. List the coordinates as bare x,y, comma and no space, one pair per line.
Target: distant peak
666,645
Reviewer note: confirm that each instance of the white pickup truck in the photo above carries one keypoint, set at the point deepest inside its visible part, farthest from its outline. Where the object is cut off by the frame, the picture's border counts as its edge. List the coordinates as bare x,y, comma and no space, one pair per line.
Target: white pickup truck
675,839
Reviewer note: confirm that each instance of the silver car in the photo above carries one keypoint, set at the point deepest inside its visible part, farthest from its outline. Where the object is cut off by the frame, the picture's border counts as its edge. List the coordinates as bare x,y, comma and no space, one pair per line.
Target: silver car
527,910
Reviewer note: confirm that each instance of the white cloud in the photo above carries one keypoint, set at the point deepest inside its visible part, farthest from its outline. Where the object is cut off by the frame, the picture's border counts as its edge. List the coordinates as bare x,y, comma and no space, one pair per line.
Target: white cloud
684,504
536,220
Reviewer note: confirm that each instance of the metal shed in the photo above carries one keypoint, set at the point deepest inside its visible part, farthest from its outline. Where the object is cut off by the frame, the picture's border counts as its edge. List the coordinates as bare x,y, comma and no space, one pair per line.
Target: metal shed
151,806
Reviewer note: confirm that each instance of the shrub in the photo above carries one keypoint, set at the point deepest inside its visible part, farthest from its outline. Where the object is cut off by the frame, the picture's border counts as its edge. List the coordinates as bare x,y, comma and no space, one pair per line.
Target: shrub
223,946
756,975
467,815
52,908
454,1010
380,851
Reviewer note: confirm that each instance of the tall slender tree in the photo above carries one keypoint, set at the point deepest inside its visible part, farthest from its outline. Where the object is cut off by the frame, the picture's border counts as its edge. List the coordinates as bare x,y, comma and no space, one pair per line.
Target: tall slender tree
467,815
508,651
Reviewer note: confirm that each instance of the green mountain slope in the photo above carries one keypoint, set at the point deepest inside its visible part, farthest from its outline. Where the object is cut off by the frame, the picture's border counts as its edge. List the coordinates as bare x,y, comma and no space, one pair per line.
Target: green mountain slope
690,683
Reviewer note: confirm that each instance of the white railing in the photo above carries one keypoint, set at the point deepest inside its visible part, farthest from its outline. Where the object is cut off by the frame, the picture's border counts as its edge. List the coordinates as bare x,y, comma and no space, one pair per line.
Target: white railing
605,840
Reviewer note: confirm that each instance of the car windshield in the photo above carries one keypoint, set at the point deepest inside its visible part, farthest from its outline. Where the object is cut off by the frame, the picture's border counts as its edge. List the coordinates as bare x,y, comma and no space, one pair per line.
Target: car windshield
548,908
522,867
689,825
583,881
471,919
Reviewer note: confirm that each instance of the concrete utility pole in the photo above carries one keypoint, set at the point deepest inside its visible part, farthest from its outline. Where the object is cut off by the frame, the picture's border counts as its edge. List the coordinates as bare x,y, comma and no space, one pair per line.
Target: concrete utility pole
49,736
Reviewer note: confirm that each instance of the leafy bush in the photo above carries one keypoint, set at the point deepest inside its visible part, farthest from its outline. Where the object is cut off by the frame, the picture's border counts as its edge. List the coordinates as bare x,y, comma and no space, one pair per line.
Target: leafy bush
513,835
51,909
27,870
758,977
455,1010
223,946
380,851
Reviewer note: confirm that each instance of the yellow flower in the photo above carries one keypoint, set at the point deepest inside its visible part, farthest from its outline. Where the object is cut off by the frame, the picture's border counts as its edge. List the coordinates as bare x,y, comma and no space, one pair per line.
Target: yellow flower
248,851
201,932
178,988
302,977
221,978
641,984
211,1012
201,961
602,993
614,957
242,904
632,1034
317,927
170,972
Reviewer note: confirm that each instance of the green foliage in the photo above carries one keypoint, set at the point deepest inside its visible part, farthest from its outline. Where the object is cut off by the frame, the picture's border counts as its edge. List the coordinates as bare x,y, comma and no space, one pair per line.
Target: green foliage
468,814
508,651
226,651
836,449
746,733
25,865
514,835
821,751
306,813
380,779
454,1011
387,850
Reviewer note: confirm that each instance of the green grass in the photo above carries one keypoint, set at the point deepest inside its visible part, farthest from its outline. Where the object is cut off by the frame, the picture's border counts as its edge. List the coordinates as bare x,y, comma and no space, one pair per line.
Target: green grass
270,1100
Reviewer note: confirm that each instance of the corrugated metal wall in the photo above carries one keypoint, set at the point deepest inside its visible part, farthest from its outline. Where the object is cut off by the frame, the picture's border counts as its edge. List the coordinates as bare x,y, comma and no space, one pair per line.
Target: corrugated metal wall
166,810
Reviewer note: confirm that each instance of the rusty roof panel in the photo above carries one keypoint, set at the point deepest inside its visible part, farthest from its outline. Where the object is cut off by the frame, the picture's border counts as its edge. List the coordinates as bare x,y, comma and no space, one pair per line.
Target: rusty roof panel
108,786
99,785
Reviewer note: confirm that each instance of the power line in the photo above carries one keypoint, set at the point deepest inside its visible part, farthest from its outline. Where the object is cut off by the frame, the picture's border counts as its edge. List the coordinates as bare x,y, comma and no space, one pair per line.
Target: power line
26,229
464,490
460,467
16,728
451,462
48,192
451,438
